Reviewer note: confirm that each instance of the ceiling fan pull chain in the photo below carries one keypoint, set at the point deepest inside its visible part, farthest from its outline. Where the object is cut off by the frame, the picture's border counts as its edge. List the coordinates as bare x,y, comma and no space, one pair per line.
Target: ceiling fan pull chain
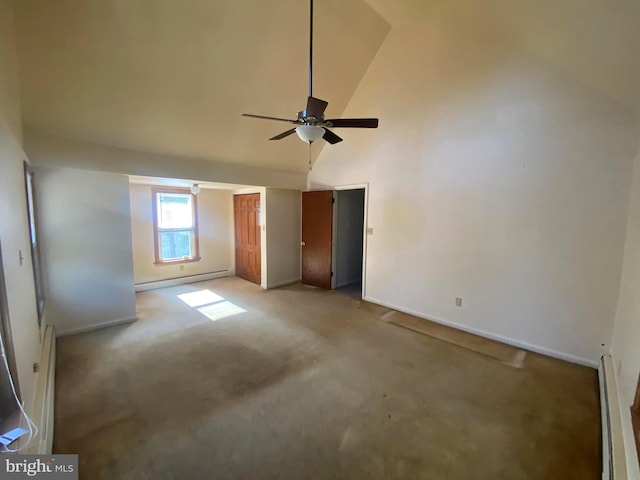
310,151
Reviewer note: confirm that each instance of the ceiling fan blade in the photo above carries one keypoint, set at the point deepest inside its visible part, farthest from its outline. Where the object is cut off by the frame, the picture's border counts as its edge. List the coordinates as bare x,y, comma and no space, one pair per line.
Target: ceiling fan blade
354,122
331,137
315,107
269,118
283,134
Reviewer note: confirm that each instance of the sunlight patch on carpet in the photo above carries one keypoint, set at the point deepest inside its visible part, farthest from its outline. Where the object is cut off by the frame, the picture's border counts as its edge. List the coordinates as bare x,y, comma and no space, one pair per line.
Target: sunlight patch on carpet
220,310
210,304
200,298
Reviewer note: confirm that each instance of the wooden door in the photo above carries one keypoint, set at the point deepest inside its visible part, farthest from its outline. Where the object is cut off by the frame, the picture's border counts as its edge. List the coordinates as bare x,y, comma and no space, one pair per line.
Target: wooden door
317,217
247,225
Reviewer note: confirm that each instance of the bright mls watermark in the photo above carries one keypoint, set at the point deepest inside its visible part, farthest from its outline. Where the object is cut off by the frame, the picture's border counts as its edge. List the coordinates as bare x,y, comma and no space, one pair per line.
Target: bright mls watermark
53,467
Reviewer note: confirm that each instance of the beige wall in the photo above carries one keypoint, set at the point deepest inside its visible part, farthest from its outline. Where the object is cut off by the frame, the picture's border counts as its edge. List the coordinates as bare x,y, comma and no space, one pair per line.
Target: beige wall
14,229
53,151
86,248
9,78
215,223
626,342
494,176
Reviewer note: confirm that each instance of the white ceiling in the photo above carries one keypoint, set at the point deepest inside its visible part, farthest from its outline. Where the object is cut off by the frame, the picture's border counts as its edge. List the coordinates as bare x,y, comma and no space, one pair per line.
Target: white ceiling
173,77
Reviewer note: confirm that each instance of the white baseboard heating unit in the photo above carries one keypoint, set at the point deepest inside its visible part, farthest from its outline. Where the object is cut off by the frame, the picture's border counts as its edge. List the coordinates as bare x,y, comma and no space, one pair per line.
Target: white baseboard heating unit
613,457
44,400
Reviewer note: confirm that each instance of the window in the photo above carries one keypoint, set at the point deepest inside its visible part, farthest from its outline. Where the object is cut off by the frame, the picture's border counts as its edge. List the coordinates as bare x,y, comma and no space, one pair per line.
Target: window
35,246
175,225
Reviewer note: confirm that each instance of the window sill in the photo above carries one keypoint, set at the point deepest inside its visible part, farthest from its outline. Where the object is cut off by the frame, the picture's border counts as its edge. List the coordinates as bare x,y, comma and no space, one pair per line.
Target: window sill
178,262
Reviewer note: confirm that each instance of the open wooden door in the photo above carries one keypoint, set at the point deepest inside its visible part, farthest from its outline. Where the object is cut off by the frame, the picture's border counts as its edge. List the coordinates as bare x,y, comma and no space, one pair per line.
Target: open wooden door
317,218
247,225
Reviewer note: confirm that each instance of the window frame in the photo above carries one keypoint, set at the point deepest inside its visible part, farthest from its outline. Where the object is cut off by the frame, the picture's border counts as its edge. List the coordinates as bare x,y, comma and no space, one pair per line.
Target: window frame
155,192
36,257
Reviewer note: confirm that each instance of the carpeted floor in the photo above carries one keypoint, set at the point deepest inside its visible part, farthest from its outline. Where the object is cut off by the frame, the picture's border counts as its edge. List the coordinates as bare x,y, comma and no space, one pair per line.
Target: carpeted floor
308,383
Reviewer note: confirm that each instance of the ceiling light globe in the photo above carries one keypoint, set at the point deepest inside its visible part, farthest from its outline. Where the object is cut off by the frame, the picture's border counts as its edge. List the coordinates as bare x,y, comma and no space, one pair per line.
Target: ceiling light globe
309,133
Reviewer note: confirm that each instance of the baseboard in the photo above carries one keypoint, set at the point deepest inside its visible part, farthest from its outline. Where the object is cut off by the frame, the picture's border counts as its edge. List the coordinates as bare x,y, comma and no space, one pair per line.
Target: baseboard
614,466
97,326
43,406
282,284
482,333
171,282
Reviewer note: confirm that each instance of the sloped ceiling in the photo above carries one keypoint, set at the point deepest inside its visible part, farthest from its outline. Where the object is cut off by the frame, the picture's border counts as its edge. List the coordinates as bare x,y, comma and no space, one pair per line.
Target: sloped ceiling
593,41
172,77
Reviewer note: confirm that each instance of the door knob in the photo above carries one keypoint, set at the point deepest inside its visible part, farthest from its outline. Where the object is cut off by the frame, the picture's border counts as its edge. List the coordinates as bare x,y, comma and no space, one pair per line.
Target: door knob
302,243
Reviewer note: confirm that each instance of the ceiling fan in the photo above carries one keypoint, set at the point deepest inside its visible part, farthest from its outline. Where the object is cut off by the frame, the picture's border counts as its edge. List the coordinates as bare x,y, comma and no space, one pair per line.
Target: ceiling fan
311,124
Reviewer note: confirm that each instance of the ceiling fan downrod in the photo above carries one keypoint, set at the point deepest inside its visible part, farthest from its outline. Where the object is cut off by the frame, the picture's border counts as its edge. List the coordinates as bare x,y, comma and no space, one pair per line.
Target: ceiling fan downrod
310,124
311,48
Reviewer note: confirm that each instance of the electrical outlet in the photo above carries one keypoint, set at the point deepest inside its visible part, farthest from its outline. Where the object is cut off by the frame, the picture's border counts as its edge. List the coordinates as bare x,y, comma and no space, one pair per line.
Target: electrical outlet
458,302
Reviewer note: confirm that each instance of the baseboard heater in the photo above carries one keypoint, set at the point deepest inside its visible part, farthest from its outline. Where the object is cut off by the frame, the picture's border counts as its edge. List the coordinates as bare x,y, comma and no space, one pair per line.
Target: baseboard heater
43,404
173,281
613,457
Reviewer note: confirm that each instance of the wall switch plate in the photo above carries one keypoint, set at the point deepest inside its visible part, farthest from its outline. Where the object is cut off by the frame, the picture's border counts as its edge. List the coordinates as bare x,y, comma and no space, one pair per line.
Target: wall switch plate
369,230
458,302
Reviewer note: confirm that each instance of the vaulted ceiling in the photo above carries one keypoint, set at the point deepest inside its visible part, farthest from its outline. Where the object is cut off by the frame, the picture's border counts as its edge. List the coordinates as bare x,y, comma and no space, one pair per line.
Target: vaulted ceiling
593,41
173,77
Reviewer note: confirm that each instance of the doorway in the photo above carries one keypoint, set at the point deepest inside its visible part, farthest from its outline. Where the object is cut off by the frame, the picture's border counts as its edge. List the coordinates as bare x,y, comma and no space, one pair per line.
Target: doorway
248,236
349,241
317,228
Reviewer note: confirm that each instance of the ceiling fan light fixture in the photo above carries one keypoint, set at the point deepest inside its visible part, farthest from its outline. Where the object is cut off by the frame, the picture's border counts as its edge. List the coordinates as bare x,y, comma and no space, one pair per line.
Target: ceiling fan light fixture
312,125
310,133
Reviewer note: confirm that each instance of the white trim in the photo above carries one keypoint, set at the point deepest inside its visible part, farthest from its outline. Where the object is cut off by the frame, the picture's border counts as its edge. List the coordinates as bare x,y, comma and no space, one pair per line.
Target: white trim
614,465
365,186
492,336
96,326
285,282
44,398
335,204
171,282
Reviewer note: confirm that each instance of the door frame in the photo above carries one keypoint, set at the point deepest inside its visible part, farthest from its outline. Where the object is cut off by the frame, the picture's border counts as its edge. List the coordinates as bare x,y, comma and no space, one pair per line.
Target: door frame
354,186
263,229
